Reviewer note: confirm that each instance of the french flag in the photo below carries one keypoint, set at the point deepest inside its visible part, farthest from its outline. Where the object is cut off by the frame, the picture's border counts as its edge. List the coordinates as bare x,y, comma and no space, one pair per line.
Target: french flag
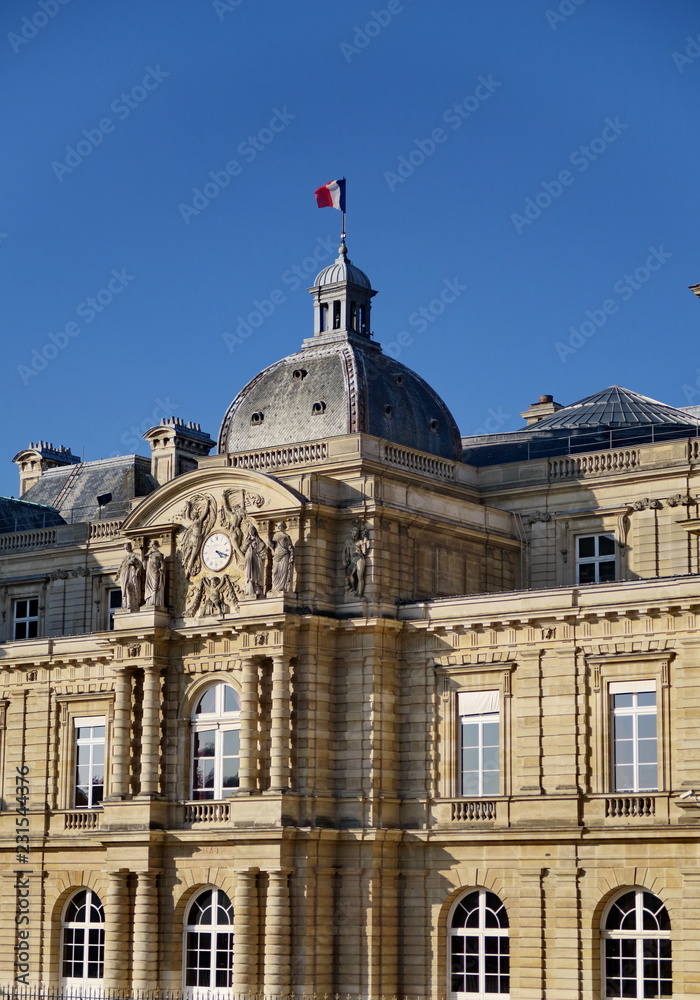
331,195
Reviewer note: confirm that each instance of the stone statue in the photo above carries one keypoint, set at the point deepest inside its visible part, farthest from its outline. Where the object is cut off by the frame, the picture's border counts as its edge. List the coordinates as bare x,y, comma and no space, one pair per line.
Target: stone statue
355,560
254,558
130,579
282,560
201,511
155,577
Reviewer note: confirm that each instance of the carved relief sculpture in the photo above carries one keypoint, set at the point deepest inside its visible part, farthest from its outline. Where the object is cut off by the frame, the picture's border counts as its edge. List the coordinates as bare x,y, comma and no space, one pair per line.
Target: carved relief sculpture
355,560
254,559
130,579
201,512
282,560
155,577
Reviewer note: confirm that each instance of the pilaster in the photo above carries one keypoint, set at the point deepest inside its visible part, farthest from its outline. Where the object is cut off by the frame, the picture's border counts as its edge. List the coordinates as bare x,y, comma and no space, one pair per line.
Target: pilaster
145,947
277,936
245,933
117,926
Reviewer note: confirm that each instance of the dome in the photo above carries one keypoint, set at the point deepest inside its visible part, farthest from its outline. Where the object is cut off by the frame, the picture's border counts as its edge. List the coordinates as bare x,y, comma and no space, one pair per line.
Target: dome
342,270
614,407
336,388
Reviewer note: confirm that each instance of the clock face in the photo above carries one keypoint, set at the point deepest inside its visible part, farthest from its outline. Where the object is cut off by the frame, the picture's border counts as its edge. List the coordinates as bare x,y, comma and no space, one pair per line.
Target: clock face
216,551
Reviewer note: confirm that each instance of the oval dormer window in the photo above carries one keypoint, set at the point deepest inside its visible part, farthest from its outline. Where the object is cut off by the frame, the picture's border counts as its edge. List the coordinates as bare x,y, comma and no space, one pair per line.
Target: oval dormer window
433,425
319,407
388,410
299,374
257,417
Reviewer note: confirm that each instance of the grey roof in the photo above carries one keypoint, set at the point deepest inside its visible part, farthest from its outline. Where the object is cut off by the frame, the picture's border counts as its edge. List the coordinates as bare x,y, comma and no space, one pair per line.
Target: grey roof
74,489
361,389
615,407
612,418
18,515
342,269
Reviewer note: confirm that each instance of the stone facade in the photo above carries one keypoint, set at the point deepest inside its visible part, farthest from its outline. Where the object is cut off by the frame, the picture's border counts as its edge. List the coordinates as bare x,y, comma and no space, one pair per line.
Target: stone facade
355,606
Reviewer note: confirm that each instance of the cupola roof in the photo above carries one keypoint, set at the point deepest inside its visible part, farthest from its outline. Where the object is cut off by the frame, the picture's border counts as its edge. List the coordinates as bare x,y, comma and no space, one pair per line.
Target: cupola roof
339,383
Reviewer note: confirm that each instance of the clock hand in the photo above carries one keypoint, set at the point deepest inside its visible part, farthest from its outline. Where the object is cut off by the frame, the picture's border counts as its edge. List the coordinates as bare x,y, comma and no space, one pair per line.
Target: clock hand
222,554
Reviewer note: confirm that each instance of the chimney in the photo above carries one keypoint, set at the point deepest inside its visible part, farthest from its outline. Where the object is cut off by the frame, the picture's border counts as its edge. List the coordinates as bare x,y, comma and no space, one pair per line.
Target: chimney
35,460
176,448
544,406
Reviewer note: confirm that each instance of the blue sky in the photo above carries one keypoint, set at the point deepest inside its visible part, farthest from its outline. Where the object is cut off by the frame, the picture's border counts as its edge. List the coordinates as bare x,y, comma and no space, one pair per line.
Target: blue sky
542,158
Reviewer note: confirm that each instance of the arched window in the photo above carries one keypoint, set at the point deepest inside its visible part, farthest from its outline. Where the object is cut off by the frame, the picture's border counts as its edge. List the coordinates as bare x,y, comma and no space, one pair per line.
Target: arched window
637,947
216,743
208,960
83,944
478,947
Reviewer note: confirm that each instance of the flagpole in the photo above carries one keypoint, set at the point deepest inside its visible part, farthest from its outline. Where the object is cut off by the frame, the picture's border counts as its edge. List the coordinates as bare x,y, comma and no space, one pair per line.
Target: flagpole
343,234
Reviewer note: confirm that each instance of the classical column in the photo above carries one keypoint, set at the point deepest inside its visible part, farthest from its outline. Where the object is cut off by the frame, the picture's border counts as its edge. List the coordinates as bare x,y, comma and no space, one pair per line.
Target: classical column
277,939
121,736
279,748
145,949
245,933
249,737
150,731
117,930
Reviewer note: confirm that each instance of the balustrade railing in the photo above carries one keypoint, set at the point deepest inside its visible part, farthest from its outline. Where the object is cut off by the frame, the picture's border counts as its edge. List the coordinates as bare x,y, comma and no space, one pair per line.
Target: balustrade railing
207,812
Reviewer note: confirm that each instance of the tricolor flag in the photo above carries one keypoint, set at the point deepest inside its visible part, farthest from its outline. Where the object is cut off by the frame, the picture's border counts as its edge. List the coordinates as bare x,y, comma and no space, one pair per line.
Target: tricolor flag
331,195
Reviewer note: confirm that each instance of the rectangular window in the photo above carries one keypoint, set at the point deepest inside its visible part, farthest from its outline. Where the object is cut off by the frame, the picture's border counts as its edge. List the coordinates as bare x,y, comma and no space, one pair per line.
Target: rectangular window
635,759
89,761
480,742
114,603
595,558
26,618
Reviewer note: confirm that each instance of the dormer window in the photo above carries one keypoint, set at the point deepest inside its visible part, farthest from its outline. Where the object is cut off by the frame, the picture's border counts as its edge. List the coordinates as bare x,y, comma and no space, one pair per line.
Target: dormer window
433,425
388,410
319,407
299,374
257,418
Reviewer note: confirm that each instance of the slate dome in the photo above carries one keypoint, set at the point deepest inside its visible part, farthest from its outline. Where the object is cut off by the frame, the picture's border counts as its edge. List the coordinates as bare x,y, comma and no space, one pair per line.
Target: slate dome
339,383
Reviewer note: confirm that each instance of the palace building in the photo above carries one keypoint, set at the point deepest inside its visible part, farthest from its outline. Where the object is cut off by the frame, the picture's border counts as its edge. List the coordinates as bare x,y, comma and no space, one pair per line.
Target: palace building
346,703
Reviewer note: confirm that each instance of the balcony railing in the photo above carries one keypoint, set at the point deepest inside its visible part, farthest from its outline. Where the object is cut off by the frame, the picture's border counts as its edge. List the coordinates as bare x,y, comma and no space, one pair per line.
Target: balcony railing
630,805
82,819
474,810
207,812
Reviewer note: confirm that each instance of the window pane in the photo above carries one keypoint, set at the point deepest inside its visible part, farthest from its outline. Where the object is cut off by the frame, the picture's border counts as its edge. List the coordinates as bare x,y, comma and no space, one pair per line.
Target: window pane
232,742
624,779
645,698
491,783
586,547
586,573
204,743
207,703
624,752
32,629
648,781
606,572
647,752
231,702
490,758
623,700
624,727
470,783
647,727
33,607
606,545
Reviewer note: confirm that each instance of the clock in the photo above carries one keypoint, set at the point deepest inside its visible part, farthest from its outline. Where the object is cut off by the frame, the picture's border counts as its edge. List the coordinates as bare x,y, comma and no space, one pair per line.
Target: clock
216,551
